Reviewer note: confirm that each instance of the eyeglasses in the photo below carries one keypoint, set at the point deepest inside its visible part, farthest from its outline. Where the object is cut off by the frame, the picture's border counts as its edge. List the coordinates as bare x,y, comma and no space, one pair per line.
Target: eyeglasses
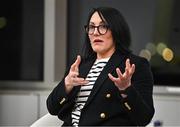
102,29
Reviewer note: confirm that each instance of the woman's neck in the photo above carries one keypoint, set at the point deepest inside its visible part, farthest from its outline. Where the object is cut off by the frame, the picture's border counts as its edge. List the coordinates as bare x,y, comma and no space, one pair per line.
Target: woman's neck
104,55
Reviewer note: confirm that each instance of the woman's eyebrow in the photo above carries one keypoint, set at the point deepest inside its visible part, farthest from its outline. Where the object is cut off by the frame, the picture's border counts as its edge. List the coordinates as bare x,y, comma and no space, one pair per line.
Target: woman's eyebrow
101,23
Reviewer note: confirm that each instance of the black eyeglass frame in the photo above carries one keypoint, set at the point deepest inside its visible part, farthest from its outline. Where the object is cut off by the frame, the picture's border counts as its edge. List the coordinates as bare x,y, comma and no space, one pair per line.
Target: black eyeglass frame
98,29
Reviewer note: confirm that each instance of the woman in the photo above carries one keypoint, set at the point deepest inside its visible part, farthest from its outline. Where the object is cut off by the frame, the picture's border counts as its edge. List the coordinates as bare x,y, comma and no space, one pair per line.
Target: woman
108,85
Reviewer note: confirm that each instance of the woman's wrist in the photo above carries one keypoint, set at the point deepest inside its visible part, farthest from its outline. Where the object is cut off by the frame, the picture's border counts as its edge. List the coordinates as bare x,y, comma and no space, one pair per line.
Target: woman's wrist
121,89
68,86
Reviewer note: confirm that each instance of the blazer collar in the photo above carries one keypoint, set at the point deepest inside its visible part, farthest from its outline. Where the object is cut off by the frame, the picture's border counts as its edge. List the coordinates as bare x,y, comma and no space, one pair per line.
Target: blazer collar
115,61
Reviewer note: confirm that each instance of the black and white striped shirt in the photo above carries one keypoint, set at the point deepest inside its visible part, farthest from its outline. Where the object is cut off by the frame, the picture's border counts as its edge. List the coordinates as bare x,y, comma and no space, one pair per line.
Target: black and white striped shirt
85,90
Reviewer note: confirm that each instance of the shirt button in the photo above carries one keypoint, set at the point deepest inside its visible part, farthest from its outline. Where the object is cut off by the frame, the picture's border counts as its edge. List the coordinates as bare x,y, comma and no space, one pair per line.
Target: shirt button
102,115
108,95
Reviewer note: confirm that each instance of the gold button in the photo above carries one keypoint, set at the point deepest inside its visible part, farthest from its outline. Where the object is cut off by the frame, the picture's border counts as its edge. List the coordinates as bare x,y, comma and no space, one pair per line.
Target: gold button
62,101
102,115
108,95
127,106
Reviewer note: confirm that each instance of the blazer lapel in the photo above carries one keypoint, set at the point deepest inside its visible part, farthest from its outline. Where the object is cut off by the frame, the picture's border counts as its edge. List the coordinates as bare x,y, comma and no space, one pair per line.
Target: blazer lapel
85,68
113,62
83,71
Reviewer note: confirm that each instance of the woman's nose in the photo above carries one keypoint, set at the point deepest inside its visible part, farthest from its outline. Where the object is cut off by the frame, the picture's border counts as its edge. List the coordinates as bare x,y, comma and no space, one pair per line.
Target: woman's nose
96,32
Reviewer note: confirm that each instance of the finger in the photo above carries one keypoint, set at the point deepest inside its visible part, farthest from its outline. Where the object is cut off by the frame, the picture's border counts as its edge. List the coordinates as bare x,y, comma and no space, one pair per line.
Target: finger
115,80
77,63
78,60
132,70
85,82
128,65
73,66
112,78
73,74
119,73
126,73
80,81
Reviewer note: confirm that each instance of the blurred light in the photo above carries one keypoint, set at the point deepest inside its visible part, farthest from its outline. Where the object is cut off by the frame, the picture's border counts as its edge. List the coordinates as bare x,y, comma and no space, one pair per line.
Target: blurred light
160,47
173,89
3,22
152,48
145,53
168,54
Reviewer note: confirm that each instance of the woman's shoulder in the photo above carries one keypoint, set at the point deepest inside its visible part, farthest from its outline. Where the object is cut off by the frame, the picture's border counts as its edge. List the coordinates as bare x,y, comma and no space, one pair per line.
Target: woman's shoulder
133,57
138,59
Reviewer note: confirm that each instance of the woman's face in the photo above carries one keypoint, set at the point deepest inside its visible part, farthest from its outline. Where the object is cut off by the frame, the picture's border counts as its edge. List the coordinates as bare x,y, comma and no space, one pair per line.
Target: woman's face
102,44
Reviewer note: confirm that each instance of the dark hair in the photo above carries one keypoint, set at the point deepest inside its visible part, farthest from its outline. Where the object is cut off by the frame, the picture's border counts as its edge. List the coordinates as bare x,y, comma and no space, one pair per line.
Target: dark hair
117,25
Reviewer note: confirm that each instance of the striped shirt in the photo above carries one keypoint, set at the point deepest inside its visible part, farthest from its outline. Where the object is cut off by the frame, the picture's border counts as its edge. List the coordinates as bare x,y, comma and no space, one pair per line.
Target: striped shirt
85,90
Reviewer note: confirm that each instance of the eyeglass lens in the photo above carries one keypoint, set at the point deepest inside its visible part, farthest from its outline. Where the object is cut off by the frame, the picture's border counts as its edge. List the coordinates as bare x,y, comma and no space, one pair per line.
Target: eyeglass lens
102,29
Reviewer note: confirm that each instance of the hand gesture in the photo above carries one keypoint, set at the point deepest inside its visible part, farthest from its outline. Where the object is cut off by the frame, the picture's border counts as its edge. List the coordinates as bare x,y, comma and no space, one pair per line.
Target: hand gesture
123,80
72,78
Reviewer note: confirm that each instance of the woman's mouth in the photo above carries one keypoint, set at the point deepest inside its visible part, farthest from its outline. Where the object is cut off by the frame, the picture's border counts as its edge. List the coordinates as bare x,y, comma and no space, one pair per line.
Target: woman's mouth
96,41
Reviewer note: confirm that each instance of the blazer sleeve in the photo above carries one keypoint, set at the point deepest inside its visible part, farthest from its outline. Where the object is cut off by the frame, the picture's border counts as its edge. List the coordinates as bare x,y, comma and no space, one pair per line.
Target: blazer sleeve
58,98
139,103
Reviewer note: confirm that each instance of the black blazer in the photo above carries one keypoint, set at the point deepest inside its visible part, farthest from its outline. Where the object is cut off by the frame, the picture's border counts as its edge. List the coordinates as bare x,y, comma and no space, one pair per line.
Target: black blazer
105,106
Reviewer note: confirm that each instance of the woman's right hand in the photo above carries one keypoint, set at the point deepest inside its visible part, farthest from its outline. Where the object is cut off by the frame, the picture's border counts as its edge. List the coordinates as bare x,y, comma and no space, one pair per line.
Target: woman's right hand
72,78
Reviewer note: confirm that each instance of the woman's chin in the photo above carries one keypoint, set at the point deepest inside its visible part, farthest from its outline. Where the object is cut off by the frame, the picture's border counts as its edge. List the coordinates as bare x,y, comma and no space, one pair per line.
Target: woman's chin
97,50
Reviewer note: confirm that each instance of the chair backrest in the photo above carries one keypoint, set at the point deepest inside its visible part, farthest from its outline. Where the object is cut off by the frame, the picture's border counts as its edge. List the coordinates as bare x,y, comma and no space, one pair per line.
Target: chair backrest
47,120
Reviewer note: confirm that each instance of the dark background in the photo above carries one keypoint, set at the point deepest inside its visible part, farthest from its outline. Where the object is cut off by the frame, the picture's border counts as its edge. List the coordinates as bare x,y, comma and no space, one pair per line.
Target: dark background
21,40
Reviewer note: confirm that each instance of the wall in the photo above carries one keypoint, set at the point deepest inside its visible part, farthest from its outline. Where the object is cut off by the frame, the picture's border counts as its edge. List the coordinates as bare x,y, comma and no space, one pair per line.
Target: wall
167,109
21,108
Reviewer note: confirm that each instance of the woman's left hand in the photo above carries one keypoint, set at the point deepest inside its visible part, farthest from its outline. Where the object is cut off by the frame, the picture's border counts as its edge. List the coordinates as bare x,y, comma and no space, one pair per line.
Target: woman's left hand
123,81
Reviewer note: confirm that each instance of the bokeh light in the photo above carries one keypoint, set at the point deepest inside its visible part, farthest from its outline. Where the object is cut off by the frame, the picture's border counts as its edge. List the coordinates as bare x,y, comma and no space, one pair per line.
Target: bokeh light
168,54
146,54
160,47
151,47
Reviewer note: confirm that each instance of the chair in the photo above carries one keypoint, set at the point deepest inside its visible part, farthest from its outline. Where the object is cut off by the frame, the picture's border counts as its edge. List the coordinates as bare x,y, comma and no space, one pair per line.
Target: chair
47,120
